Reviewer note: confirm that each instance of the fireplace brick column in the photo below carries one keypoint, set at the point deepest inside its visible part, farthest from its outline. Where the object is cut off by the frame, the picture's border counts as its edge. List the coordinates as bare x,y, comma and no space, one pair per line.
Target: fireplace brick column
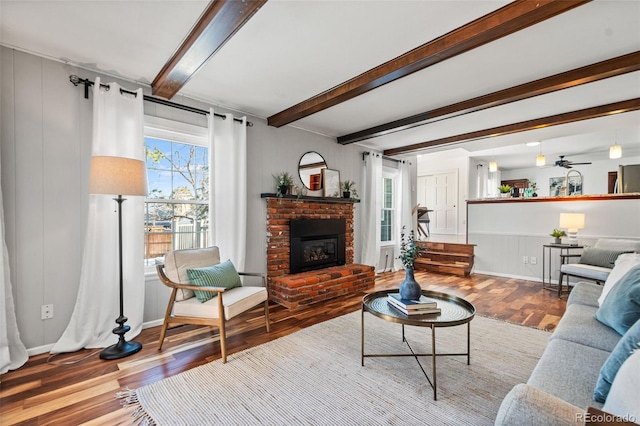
279,212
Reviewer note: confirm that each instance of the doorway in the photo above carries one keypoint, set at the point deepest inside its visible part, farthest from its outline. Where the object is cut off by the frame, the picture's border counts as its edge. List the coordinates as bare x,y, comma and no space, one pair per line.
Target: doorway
439,192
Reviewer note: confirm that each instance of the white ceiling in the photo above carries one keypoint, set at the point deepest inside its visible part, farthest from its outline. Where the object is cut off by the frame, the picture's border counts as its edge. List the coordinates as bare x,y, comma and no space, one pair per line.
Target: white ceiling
292,50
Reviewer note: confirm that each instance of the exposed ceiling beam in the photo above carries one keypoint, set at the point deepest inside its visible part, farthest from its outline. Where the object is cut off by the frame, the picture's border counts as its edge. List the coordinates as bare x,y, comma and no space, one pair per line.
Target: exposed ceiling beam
587,74
523,126
219,22
500,23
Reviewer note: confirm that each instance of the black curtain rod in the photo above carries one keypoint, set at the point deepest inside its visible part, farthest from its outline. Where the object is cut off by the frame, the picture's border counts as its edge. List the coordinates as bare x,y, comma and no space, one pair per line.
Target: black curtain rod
383,156
75,80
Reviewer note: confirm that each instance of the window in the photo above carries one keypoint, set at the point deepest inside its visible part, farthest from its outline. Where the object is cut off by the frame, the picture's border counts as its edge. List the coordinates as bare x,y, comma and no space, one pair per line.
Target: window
388,208
177,207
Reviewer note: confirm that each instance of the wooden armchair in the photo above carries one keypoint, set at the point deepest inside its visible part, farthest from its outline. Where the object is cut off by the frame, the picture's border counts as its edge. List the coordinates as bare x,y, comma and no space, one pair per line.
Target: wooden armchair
185,308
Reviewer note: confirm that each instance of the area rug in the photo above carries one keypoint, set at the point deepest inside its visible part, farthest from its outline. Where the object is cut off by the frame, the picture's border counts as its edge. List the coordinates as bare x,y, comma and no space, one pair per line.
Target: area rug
314,377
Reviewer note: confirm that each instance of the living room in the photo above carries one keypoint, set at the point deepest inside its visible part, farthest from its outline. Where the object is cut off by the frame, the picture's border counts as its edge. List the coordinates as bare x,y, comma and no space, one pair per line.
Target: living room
47,127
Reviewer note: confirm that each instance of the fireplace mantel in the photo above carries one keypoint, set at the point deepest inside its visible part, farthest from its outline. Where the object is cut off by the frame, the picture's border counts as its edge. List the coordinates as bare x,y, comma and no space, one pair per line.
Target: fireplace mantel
310,198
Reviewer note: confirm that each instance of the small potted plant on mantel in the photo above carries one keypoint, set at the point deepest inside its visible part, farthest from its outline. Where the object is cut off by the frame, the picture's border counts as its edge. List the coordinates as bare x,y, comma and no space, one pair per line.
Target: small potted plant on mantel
283,181
348,189
504,190
558,234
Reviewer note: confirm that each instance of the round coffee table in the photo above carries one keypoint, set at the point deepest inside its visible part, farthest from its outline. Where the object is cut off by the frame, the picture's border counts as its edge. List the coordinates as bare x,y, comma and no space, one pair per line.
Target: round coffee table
454,311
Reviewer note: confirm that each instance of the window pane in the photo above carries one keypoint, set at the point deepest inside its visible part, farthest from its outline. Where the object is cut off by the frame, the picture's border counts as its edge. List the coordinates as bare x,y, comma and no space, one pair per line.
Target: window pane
386,226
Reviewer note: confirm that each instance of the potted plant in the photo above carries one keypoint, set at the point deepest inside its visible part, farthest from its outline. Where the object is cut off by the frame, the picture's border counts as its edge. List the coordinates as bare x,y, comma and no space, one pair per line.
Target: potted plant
504,190
283,181
409,252
557,234
348,189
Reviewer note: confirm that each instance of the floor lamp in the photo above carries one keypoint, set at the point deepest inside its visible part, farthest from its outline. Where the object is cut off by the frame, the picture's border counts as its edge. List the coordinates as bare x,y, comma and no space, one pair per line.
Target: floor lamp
122,176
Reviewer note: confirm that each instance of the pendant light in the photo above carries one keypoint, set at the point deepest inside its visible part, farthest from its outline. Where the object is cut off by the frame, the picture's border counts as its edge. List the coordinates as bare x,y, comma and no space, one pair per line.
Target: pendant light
540,160
615,151
493,166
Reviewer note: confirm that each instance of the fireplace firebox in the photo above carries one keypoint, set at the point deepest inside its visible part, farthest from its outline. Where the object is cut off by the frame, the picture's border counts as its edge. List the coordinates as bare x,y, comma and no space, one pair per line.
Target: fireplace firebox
316,244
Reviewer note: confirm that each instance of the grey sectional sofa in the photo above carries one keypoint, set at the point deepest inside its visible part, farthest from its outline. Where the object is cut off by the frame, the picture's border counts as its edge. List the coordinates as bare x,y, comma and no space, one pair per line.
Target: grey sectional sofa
561,386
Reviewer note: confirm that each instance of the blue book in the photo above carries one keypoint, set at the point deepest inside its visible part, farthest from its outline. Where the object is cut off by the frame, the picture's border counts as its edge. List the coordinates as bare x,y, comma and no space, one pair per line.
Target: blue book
423,302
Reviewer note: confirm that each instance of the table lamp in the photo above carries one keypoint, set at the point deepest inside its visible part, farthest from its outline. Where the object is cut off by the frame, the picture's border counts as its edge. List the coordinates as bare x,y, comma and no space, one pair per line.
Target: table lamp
121,176
572,222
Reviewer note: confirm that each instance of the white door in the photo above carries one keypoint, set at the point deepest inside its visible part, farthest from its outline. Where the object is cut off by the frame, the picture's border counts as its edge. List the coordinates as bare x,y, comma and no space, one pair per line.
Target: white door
439,192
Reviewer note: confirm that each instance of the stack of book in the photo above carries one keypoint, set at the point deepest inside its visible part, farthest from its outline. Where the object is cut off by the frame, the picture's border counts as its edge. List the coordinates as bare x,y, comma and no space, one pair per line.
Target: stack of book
423,306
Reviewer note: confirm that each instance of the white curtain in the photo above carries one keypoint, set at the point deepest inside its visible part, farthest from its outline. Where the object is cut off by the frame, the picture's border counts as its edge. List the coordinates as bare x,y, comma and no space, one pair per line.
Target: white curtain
482,188
404,207
117,131
228,188
371,203
12,352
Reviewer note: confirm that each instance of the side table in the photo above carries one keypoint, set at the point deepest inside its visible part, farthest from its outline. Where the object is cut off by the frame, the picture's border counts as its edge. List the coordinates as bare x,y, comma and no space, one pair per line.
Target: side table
565,249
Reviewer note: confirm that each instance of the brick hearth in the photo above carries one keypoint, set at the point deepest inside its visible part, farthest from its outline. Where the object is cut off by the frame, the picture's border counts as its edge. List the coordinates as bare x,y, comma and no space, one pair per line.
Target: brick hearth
293,290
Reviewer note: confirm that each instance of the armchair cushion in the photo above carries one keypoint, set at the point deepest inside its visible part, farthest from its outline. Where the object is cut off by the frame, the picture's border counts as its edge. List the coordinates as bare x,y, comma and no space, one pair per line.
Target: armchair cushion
221,275
177,262
235,301
596,273
621,308
600,257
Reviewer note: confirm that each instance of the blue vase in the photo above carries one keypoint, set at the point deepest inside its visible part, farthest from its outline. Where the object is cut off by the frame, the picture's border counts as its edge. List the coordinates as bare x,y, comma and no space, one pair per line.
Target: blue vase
410,289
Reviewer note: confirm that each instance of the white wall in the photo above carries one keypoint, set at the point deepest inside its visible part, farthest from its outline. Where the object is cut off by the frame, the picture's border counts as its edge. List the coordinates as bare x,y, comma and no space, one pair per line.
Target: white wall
441,162
45,148
506,232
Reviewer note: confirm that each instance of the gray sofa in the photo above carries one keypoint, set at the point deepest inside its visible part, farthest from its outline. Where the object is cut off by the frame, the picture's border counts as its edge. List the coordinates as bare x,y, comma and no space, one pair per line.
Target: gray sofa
561,385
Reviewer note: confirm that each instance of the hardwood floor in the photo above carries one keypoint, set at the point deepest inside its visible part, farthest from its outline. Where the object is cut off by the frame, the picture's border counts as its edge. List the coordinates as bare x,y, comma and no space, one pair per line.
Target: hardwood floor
40,393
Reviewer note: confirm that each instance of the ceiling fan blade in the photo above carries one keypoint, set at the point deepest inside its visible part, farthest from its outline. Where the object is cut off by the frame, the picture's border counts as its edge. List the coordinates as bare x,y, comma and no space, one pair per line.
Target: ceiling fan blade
573,164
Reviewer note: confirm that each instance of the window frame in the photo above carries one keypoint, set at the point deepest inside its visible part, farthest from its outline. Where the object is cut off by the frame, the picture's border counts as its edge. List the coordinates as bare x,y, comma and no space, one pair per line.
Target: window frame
391,174
179,132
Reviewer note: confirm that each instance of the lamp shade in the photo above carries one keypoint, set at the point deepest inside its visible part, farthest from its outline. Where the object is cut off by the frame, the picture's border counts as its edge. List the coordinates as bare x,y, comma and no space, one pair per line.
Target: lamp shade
615,151
540,160
572,220
493,166
117,176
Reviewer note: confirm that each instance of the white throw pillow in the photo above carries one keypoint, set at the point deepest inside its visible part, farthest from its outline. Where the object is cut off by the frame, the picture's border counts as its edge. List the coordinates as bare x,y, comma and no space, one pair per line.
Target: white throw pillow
623,399
623,264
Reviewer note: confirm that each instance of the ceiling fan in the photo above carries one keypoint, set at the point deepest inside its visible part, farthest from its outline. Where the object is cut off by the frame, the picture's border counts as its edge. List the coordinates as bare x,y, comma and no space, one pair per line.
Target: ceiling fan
566,163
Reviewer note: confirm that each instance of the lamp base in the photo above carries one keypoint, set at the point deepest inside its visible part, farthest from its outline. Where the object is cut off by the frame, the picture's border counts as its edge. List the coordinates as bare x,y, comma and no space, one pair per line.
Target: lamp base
573,237
121,349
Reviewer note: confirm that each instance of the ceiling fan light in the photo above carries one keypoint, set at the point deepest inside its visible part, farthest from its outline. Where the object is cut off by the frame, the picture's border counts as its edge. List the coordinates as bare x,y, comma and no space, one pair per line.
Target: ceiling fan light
615,151
540,160
493,166
532,143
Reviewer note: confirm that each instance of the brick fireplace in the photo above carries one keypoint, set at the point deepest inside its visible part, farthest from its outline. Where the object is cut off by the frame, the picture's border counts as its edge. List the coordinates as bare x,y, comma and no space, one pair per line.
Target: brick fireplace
294,290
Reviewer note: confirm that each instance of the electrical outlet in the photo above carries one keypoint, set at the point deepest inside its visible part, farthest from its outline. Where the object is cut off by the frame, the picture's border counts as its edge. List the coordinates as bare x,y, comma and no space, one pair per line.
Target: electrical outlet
46,311
533,260
525,259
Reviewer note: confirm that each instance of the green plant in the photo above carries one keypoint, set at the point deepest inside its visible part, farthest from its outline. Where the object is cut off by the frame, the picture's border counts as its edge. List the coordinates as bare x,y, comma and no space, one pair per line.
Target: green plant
558,233
349,186
283,181
409,249
504,188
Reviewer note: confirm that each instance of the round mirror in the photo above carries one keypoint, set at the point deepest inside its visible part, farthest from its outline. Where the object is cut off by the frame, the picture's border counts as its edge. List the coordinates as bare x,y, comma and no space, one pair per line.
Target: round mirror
310,170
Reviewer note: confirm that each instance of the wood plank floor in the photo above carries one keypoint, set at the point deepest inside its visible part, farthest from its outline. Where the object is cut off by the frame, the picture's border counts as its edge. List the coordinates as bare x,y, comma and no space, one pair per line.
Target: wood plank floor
42,393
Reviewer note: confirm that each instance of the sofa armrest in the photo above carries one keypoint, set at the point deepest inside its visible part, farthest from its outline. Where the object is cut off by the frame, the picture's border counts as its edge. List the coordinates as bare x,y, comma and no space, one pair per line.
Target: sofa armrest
527,405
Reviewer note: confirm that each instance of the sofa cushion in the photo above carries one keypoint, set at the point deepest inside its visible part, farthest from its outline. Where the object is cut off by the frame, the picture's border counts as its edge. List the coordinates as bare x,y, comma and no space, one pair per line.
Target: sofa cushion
623,397
621,308
600,257
629,342
568,370
585,294
177,262
235,301
221,275
623,264
579,325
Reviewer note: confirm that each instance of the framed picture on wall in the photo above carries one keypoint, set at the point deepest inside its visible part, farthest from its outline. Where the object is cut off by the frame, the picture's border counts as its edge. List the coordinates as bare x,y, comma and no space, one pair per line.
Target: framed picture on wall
331,182
557,186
